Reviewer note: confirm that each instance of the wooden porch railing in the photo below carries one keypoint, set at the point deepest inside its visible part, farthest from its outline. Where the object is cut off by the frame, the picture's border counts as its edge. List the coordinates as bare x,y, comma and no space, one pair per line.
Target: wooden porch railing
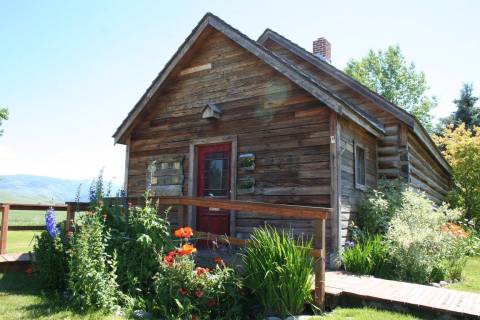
317,214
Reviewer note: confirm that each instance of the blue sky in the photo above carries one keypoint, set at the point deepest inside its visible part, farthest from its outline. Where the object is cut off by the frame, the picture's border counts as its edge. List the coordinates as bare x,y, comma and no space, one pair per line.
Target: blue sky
71,70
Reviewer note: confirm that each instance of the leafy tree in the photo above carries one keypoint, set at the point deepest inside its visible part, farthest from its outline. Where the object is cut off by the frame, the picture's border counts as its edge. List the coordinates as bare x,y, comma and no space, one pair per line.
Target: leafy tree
3,116
461,148
466,111
388,73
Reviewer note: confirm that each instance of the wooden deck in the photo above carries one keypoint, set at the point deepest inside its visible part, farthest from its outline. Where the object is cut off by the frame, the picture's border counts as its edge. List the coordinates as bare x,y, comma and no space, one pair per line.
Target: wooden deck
421,297
14,262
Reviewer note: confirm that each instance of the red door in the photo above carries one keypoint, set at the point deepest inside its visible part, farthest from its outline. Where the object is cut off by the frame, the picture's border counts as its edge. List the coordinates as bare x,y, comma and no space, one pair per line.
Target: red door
214,175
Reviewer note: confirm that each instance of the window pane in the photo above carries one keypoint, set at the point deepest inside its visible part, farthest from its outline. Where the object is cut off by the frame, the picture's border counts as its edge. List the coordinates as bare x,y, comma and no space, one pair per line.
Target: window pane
360,166
216,174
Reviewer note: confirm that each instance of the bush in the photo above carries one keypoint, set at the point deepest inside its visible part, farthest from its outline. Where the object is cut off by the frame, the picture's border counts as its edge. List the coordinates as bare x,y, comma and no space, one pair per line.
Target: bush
417,246
278,271
185,292
92,271
50,264
369,257
377,206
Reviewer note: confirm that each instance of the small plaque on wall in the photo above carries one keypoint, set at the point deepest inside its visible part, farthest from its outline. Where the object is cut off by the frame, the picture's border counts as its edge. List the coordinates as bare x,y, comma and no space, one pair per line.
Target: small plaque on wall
165,176
246,162
246,185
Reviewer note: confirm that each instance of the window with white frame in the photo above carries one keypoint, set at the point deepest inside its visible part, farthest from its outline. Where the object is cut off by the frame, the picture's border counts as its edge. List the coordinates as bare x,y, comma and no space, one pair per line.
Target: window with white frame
360,166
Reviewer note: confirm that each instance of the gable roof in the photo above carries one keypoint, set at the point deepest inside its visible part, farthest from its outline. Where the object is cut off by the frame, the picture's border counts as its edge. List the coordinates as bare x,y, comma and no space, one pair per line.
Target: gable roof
341,76
293,73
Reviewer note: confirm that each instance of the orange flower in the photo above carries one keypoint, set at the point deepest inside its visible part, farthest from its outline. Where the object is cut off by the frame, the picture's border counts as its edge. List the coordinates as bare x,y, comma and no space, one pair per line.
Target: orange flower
199,294
29,272
186,232
187,249
182,291
201,271
218,260
455,229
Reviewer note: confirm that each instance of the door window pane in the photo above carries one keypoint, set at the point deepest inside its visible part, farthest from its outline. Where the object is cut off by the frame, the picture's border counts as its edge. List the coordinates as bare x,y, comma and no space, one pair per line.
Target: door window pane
216,174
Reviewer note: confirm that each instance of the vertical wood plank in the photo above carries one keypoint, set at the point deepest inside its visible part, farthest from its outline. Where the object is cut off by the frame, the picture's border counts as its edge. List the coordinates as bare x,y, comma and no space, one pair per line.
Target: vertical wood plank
335,225
3,237
319,244
70,217
182,216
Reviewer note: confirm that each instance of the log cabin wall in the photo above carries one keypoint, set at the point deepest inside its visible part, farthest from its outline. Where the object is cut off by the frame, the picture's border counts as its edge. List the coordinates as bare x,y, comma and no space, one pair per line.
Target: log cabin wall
424,172
352,135
284,126
392,149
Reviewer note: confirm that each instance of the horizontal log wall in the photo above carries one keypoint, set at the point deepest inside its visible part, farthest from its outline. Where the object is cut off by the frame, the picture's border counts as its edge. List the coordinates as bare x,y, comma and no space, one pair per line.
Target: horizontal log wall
351,135
285,127
424,173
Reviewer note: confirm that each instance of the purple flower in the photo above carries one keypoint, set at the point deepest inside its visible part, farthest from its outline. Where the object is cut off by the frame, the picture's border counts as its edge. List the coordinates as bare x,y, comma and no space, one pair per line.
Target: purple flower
51,224
349,244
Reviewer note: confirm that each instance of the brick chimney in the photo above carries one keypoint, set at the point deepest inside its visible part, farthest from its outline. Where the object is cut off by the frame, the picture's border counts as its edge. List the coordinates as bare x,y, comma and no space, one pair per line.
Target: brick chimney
323,49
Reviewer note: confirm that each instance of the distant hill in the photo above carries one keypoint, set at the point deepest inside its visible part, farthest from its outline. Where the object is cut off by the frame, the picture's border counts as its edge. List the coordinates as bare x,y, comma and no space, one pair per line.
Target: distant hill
38,189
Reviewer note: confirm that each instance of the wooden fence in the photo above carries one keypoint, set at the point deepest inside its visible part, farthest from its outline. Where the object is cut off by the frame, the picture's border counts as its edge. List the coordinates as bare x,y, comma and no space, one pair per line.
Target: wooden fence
317,214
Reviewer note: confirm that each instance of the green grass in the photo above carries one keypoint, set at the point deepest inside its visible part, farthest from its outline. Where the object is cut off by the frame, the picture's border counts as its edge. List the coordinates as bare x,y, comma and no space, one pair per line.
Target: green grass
20,241
20,299
365,314
471,277
32,218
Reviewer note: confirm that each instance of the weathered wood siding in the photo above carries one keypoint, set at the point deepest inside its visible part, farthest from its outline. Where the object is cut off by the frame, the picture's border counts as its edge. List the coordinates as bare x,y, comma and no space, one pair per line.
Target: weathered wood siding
424,172
391,148
352,134
286,128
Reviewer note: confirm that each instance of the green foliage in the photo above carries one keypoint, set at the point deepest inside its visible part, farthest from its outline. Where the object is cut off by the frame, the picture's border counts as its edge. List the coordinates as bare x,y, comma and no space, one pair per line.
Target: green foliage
461,148
418,248
3,116
92,271
278,271
141,236
368,257
50,262
183,292
388,73
377,206
466,111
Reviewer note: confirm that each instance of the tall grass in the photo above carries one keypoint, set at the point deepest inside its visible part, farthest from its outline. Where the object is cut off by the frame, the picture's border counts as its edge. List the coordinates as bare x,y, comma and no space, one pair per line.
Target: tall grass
278,271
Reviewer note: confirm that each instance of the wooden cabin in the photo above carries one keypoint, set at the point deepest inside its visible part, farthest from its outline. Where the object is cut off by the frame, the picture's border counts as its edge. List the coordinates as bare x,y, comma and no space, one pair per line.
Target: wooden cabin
269,121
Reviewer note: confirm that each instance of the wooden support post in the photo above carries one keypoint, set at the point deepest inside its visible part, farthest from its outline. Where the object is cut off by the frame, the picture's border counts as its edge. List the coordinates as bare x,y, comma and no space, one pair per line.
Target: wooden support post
3,237
319,244
70,217
182,216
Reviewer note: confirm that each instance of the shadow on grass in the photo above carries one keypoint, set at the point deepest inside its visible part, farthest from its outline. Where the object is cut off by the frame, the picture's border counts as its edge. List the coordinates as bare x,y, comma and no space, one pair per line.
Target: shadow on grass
26,296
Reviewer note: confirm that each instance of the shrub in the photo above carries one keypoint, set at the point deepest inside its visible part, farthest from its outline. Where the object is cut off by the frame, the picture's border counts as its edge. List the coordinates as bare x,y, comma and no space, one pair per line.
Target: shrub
145,236
369,257
92,272
278,271
419,249
185,292
377,206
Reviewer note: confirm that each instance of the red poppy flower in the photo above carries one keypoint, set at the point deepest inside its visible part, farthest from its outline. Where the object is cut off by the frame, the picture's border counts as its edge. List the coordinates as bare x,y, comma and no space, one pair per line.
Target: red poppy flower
170,258
29,272
194,317
182,291
186,232
211,302
218,260
201,271
187,249
199,294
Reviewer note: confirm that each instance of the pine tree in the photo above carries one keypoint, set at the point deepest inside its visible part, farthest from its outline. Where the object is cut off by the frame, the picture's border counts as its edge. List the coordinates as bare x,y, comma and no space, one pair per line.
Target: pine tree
466,111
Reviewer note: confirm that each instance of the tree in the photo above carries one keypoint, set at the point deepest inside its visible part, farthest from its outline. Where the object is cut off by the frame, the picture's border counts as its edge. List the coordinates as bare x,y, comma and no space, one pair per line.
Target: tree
466,111
461,148
388,73
3,116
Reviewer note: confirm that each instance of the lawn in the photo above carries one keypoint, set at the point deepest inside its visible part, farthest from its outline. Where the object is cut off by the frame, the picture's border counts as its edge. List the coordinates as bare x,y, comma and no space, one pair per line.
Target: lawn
471,277
20,241
32,218
20,299
365,314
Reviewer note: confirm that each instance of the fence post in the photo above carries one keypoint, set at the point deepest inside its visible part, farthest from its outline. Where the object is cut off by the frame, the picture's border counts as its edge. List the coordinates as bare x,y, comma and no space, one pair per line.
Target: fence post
70,217
319,244
182,220
3,237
